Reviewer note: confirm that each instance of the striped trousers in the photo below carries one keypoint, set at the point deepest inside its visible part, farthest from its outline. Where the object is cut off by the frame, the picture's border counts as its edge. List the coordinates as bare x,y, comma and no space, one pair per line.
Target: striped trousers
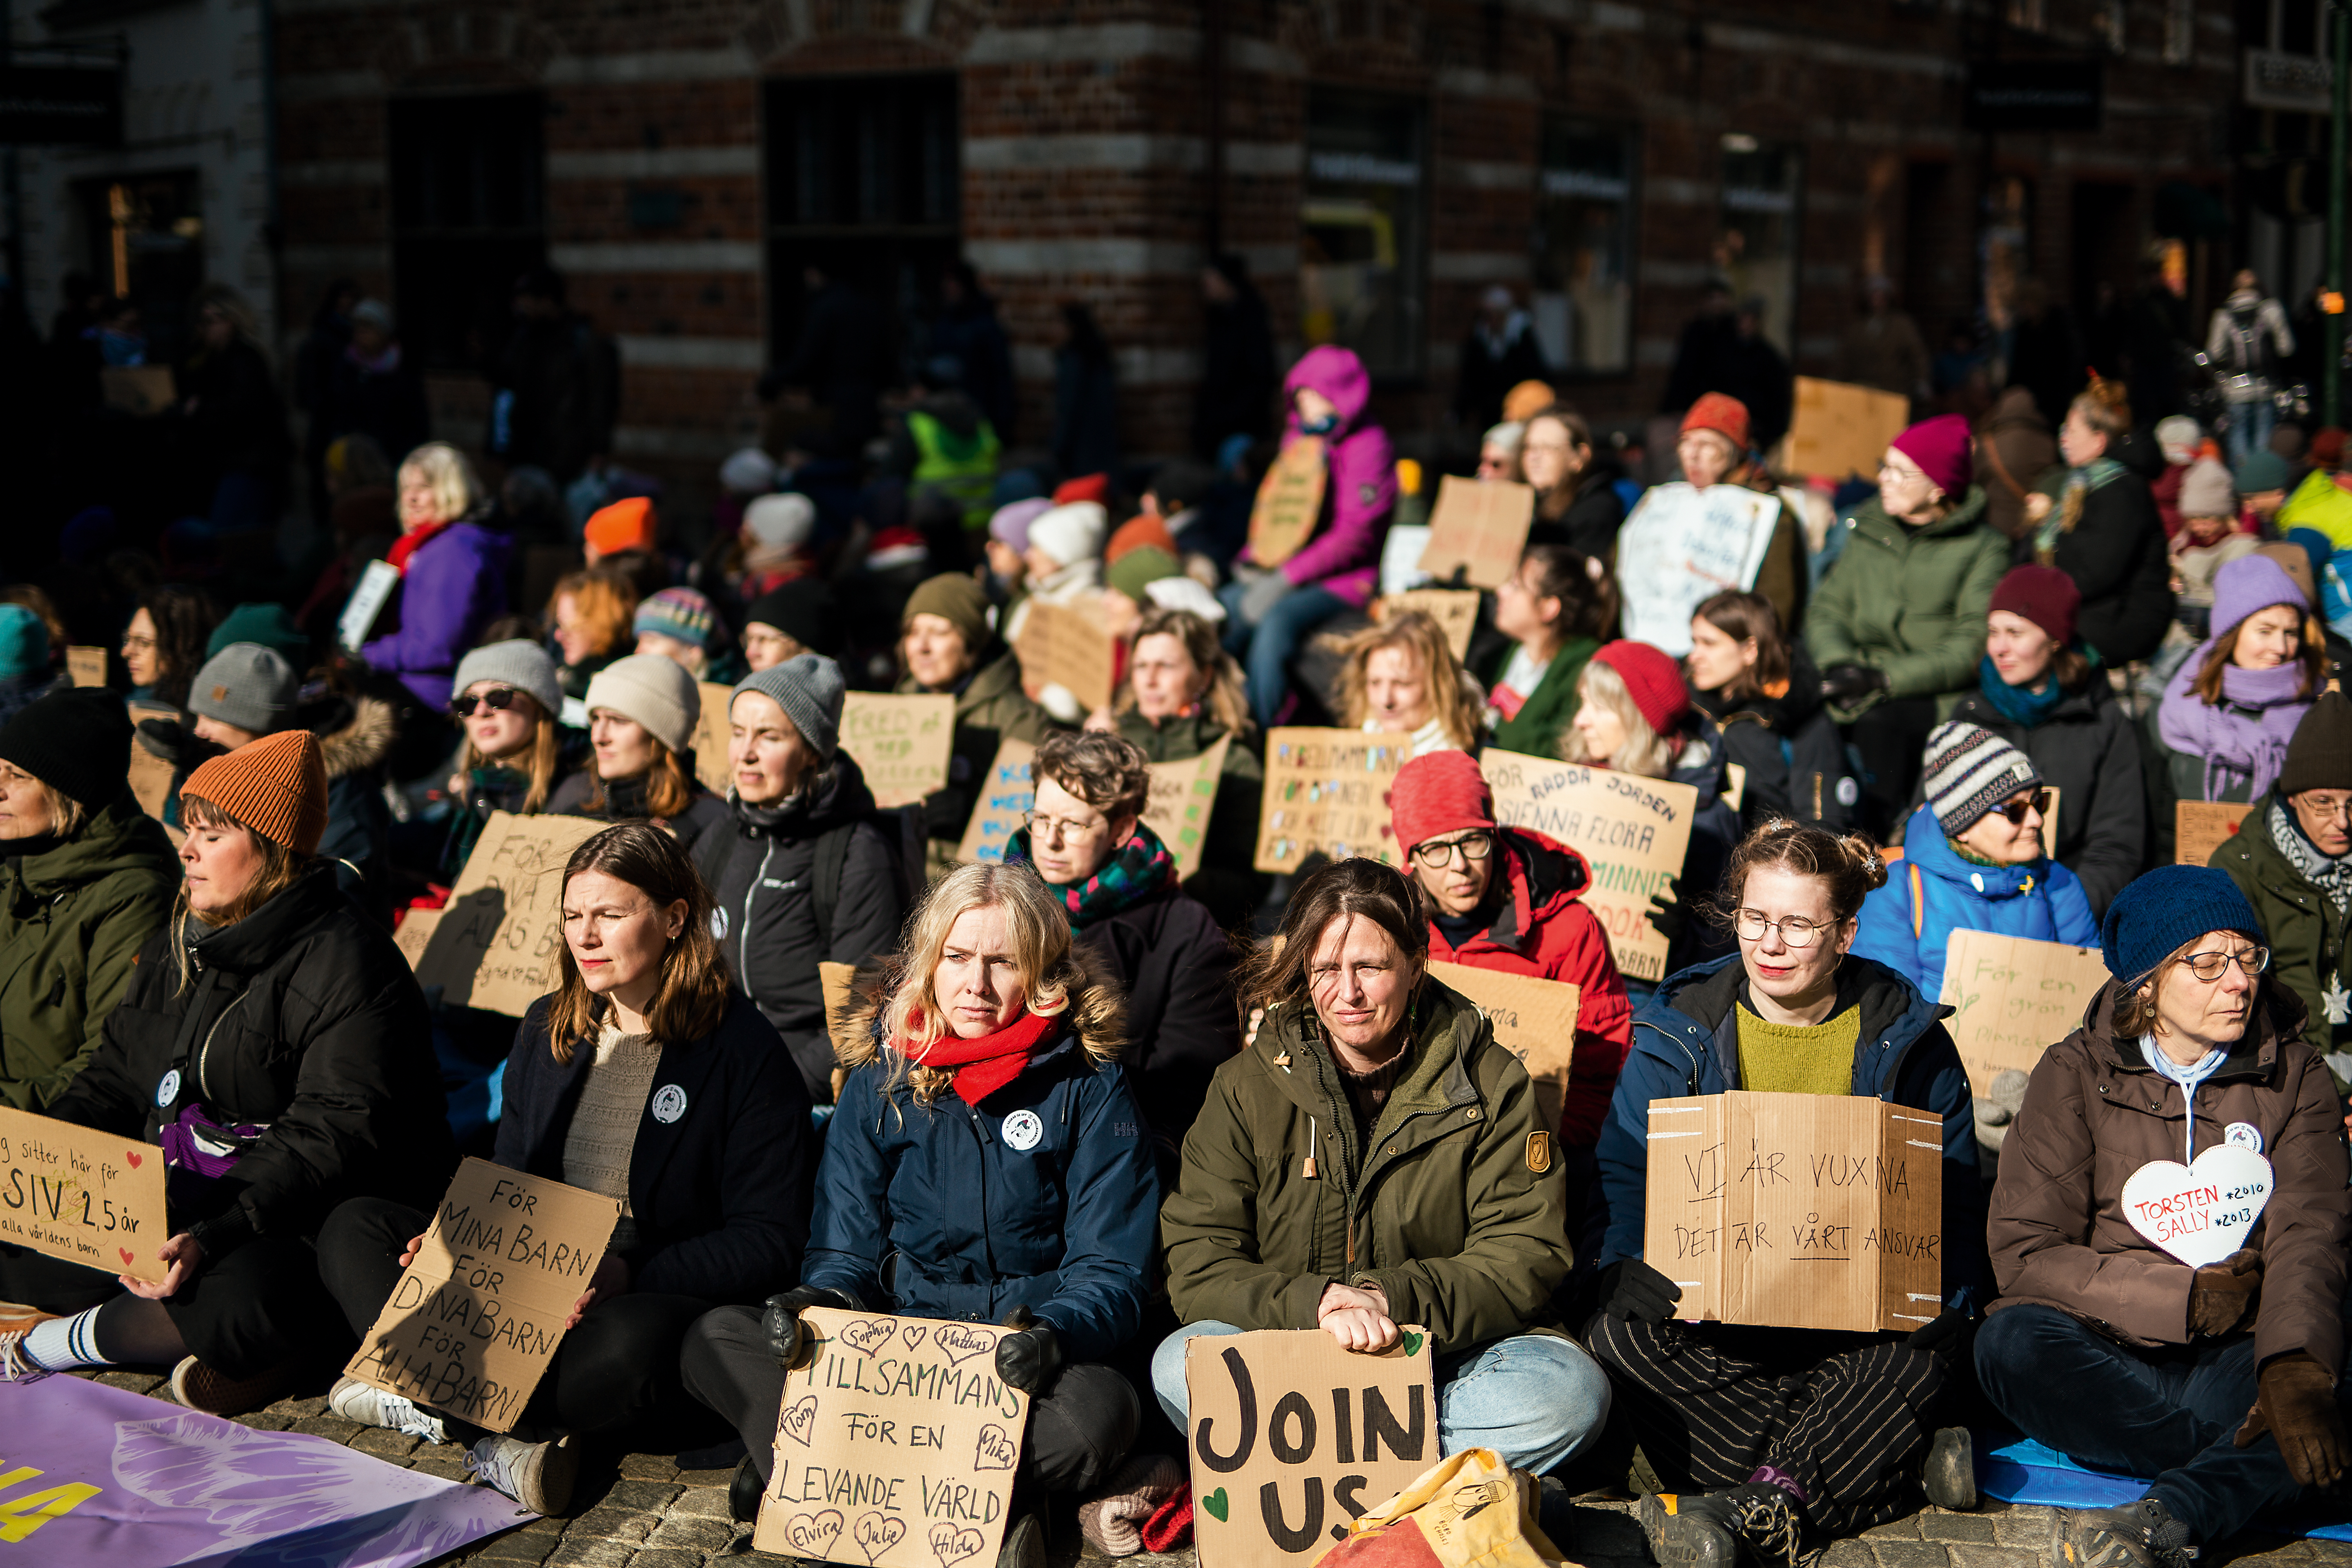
1846,1415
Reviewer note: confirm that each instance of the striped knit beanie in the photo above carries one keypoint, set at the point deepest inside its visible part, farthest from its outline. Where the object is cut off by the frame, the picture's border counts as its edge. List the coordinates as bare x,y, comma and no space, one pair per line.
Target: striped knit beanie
1970,770
678,613
276,786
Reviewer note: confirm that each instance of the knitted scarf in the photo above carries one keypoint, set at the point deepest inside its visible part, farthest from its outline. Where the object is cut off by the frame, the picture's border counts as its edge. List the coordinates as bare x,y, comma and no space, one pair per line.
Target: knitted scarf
2018,704
2240,743
491,779
2068,512
2331,874
1141,868
409,544
983,1065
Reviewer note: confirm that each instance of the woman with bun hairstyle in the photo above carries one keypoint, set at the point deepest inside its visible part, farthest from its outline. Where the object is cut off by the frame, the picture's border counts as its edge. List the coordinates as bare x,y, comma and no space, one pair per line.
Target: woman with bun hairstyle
1794,1011
1763,692
642,711
509,700
2094,521
645,1078
1558,609
2231,707
273,1040
1400,677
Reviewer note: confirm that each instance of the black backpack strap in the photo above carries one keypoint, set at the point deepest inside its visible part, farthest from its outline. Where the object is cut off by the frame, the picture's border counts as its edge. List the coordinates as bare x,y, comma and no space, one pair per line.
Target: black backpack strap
824,880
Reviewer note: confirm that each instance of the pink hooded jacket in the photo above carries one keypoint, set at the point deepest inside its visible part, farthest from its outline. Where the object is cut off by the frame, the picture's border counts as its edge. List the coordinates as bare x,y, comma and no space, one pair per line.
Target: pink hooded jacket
1343,556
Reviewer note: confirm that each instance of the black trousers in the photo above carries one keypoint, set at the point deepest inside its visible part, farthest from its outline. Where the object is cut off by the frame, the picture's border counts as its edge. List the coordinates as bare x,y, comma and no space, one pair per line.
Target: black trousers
1846,1415
244,1313
1078,1429
618,1364
1891,739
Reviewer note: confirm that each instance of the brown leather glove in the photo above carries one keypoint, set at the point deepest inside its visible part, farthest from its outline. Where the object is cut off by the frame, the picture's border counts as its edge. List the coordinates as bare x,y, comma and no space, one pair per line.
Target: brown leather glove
2224,1293
2295,1402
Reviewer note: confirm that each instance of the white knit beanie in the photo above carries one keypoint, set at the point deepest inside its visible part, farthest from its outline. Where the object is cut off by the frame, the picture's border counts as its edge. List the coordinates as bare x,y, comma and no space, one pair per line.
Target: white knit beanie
781,523
1071,532
748,472
655,692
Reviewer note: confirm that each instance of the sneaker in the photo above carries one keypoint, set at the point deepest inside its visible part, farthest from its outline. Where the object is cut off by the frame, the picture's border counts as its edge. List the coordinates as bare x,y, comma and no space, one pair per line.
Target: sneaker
1950,1476
743,1492
539,1475
214,1392
1715,1530
15,1318
15,1363
371,1406
1025,1544
2142,1534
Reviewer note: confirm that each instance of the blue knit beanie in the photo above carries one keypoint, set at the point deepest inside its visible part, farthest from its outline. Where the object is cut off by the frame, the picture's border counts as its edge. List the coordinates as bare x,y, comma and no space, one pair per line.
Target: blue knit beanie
2155,914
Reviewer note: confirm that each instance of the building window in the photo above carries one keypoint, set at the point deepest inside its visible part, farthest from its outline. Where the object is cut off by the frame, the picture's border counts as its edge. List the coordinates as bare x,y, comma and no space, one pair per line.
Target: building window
1362,276
2005,252
1756,229
864,185
2032,16
2180,31
147,244
468,217
1583,303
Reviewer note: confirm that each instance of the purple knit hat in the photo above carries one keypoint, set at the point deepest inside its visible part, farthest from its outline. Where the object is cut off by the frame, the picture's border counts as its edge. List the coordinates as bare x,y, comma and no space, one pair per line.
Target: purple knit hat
1011,524
2249,586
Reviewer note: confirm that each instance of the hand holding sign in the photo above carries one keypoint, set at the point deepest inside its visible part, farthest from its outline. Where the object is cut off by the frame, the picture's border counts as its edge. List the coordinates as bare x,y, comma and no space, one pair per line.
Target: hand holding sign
2202,1213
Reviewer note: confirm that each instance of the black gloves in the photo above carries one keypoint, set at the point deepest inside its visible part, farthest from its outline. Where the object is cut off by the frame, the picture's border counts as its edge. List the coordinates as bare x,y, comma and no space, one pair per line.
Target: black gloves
181,748
1844,683
1634,1292
1672,918
1951,1334
781,1319
1029,1360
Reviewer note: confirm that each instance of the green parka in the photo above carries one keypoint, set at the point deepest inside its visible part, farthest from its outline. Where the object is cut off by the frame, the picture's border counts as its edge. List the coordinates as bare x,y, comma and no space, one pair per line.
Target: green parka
1910,603
1455,1208
2306,934
72,920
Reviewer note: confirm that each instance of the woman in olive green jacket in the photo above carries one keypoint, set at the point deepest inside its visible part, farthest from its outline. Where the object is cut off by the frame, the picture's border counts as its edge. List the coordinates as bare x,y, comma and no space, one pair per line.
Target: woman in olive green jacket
946,644
1374,1158
85,878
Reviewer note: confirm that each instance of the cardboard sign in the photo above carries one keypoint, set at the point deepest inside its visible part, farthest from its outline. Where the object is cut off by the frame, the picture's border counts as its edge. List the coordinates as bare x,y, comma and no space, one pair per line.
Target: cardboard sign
367,603
494,945
1837,430
1181,797
1455,611
1797,1211
1291,1439
414,935
151,779
839,982
1065,646
1327,790
2202,1213
87,1197
1002,806
1735,784
1289,500
1684,545
2015,998
1533,1019
86,665
2201,826
895,1445
473,1321
1479,527
1633,830
902,743
710,737
141,391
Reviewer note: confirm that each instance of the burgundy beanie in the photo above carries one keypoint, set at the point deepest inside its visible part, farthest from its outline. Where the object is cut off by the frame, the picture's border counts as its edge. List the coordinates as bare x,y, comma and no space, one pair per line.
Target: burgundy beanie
1652,680
1436,794
2043,595
1945,449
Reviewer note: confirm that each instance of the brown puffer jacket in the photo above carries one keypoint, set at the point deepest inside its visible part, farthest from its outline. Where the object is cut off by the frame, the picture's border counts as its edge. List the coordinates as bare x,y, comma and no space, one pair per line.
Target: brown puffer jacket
2094,1112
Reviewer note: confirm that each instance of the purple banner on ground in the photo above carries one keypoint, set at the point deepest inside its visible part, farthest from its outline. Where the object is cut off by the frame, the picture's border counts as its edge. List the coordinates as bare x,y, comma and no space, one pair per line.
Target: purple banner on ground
91,1474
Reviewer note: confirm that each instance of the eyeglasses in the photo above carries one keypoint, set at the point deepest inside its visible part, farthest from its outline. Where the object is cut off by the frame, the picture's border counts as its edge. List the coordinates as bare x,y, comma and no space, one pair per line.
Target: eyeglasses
133,640
2015,810
1477,847
2210,967
1795,930
498,700
1049,827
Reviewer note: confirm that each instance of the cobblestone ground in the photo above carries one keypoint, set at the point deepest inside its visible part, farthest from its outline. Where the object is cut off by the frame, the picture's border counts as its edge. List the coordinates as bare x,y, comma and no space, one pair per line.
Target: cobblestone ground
640,1511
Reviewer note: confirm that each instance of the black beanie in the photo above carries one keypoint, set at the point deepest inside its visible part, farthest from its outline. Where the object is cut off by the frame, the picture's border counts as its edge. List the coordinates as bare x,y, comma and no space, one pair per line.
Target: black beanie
2320,754
805,610
76,741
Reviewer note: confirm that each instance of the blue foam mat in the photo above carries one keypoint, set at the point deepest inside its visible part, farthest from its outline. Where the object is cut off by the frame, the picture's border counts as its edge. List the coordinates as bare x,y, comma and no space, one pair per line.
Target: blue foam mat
2011,1469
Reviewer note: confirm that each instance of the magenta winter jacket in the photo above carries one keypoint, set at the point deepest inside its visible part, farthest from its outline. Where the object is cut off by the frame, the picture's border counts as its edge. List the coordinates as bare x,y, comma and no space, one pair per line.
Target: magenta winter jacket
1343,556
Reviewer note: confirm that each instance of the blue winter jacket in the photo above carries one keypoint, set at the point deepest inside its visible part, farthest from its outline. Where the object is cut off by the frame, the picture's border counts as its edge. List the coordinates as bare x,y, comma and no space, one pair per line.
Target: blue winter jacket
1907,931
1044,1195
1686,1043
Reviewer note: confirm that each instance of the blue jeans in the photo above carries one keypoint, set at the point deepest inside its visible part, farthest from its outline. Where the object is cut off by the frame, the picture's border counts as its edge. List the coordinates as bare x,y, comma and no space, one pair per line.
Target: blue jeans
1267,648
2250,428
1532,1399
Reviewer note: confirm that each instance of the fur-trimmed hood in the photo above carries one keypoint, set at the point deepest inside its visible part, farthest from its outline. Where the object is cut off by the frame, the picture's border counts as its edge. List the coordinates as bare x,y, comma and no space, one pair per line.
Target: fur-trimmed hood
1096,1011
355,734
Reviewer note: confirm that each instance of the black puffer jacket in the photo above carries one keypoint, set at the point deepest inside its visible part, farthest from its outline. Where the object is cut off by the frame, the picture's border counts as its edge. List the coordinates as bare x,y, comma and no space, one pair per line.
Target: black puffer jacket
761,867
1183,1021
302,1018
2115,554
1795,763
2089,749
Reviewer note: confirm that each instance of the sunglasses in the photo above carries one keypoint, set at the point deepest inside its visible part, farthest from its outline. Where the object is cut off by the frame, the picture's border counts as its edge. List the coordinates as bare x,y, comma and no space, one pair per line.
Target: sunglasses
2015,810
497,700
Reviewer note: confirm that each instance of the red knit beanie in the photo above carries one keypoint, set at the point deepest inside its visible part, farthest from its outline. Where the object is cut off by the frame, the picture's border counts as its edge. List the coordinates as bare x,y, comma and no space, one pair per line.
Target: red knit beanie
1085,486
2043,595
1436,794
1724,416
1945,449
1652,680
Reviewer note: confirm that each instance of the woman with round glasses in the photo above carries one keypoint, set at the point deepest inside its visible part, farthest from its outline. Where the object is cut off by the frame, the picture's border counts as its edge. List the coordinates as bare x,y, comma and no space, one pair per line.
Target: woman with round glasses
2208,1362
1974,858
508,699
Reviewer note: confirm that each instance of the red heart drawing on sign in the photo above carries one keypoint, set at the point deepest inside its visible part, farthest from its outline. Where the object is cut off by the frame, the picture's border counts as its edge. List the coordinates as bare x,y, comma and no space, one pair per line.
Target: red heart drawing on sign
127,1256
134,1156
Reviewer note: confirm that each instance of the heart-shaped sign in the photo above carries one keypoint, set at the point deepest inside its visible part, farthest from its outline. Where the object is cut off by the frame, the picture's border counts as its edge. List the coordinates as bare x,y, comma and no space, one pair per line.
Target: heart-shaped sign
996,1450
812,1535
1216,1504
798,1421
877,1533
134,1156
1412,1343
129,1257
865,1337
2202,1213
951,1545
913,1334
961,1340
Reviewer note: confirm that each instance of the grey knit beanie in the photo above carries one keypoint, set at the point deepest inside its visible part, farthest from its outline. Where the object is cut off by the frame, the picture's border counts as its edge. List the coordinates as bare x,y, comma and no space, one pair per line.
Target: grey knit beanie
809,688
653,692
248,686
2207,490
525,666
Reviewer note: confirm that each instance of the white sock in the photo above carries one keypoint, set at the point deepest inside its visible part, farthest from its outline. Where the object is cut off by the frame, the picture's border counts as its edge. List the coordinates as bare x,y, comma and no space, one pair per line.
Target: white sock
61,1344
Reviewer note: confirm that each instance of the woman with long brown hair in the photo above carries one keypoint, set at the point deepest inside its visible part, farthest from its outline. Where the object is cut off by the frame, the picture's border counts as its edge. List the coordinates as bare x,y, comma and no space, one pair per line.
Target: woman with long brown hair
646,1078
642,711
507,699
1400,677
1764,695
1557,609
2232,706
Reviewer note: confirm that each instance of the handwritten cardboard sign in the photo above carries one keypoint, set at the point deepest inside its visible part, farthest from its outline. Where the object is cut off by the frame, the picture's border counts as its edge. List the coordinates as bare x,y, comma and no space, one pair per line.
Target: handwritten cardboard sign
2201,826
86,665
87,1197
1001,807
2202,1213
1291,1439
414,935
1837,430
895,1444
711,732
902,742
475,1318
1067,646
1533,1019
2015,998
1479,527
141,391
1177,807
1633,830
1797,1211
1684,545
494,945
151,779
1327,790
367,603
1289,500
1455,611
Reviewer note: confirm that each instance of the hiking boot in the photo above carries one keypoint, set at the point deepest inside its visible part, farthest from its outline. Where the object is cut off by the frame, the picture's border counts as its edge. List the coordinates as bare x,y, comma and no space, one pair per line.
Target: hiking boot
214,1392
1950,1476
744,1491
1716,1530
369,1407
539,1475
2142,1534
1025,1544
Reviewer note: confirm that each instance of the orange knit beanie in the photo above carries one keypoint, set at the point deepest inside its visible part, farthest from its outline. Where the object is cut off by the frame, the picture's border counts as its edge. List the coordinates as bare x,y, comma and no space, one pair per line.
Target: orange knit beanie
276,786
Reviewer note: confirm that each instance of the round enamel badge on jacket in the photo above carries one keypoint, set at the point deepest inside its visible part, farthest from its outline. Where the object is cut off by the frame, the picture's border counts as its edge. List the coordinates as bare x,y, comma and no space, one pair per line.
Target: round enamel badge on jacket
670,1103
1022,1130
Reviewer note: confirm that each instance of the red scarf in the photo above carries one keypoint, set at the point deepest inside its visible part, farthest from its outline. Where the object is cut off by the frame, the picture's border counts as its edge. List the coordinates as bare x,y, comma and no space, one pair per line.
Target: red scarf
984,1065
408,544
